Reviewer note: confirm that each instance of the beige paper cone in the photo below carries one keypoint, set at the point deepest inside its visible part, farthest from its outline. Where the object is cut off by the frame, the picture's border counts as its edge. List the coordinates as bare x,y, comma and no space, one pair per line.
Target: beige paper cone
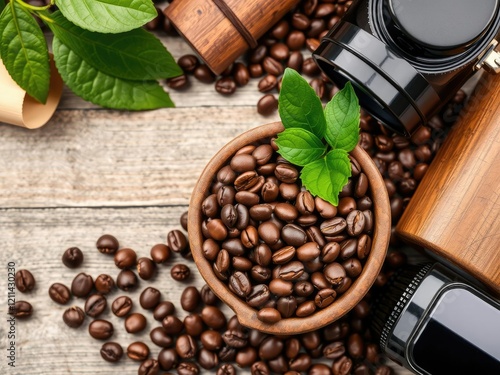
19,108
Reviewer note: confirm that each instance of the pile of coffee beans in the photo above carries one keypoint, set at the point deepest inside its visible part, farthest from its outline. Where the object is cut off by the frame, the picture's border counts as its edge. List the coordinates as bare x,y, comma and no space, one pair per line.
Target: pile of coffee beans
278,248
282,46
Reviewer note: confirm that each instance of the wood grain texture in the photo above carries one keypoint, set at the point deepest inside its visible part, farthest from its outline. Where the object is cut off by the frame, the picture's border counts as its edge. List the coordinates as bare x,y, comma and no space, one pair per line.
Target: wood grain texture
456,209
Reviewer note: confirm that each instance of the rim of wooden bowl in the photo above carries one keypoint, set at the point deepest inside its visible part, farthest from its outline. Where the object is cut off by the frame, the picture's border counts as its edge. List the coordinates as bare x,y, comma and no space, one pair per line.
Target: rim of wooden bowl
343,304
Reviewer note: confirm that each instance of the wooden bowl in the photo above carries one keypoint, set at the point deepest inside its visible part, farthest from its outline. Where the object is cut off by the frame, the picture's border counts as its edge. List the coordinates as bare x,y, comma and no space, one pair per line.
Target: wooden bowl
345,302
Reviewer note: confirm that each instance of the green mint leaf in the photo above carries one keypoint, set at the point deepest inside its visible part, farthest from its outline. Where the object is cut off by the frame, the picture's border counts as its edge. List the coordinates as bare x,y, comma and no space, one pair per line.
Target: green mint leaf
299,106
24,51
108,16
342,119
105,90
133,55
2,5
327,176
299,146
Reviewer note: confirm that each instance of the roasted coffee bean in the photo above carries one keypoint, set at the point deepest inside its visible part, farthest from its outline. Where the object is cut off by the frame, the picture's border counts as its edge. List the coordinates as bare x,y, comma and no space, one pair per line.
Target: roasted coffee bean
243,163
150,298
207,359
59,293
73,317
255,70
190,298
210,206
104,284
295,40
334,226
127,280
203,74
163,309
235,338
269,315
334,350
193,324
149,367
303,288
334,273
355,223
308,252
281,287
210,249
178,83
125,258
286,306
121,306
319,281
342,365
186,347
180,272
325,297
95,305
188,368
225,86
291,271
283,255
346,205
111,351
267,105
348,248
300,363
217,229
239,284
286,173
330,252
260,274
161,338
309,66
279,51
241,263
138,351
293,235
72,257
188,63
267,83
177,241
241,74
211,340
24,281
246,357
272,66
229,216
213,317
135,323
278,364
82,285
259,295
353,267
172,325
168,359
146,268
107,244
101,329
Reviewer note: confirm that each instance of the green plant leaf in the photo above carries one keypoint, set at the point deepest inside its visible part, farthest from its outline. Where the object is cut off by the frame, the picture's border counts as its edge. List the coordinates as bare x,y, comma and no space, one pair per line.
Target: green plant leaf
105,90
2,5
342,119
24,51
299,106
133,55
108,16
327,176
299,146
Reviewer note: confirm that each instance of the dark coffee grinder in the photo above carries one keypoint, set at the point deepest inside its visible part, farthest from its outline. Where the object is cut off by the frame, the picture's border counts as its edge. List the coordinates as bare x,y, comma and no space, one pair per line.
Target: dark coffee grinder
406,59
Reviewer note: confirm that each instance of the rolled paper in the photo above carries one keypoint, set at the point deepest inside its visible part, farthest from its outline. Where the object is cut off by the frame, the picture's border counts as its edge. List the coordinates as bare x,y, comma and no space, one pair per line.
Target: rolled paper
19,108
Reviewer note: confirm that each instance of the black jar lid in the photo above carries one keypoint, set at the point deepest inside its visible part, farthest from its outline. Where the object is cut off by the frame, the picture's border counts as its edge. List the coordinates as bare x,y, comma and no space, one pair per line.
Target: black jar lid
444,26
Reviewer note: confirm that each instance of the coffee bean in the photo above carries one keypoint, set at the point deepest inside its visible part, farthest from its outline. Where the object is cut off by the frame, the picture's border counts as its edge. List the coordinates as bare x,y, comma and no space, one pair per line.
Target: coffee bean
211,340
82,285
121,306
73,317
111,351
188,368
180,272
355,223
24,280
178,83
150,298
125,258
163,309
104,284
267,105
100,329
126,280
309,66
188,63
325,297
186,347
235,338
293,235
95,305
207,359
149,367
72,257
168,359
135,323
225,86
172,325
241,74
203,74
146,268
342,365
59,293
213,317
272,66
190,298
177,241
107,244
160,338
334,273
295,40
138,351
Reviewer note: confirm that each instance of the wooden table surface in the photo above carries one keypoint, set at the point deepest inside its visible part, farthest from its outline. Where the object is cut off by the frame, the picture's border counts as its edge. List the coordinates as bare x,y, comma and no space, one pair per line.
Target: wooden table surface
91,171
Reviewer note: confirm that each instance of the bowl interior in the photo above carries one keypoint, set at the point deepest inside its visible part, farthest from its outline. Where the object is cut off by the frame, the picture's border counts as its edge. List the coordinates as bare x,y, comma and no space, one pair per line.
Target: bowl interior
246,314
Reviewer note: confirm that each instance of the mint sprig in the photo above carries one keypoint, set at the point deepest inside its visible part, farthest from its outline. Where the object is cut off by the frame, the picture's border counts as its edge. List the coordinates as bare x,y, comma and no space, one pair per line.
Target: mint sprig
318,139
100,50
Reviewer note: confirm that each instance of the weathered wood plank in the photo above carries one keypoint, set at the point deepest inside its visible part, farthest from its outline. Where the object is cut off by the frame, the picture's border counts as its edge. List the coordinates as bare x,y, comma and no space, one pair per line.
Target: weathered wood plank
113,158
36,238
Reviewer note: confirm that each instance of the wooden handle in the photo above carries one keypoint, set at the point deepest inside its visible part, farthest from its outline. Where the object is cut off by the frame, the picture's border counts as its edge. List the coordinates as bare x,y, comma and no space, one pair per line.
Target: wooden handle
455,211
218,40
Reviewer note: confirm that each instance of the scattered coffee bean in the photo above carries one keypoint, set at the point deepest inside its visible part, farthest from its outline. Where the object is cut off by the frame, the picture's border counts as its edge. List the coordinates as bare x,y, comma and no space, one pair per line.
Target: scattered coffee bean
82,285
125,258
138,351
150,298
111,351
146,268
149,367
121,306
163,309
190,298
267,105
101,329
135,322
24,280
127,280
73,317
107,244
95,305
160,253
104,284
180,272
21,309
59,293
72,257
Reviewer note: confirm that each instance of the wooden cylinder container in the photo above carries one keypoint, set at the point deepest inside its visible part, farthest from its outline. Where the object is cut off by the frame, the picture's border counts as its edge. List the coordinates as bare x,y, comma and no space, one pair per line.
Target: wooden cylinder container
455,212
221,30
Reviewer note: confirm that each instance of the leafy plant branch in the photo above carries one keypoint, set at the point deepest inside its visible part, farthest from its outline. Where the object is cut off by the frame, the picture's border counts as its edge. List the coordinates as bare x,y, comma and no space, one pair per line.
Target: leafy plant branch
100,49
